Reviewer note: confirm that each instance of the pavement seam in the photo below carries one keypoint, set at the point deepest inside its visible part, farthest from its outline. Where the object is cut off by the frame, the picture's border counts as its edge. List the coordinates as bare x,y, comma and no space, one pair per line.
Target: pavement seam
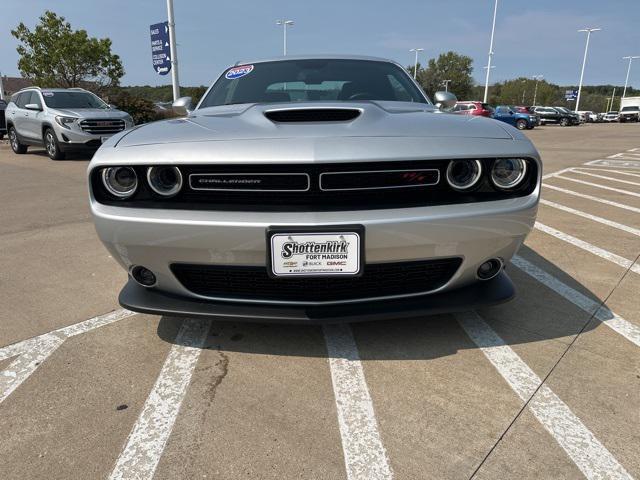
553,368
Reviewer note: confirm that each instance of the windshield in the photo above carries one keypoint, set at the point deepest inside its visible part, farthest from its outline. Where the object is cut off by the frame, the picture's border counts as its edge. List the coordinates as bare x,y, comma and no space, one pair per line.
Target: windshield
311,81
626,109
72,100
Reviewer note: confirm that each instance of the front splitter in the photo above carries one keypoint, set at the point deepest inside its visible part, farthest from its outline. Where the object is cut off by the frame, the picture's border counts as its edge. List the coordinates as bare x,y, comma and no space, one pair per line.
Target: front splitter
480,294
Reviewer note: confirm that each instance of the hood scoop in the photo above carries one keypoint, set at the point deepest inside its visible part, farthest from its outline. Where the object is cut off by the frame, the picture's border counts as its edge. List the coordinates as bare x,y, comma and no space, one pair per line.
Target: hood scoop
309,115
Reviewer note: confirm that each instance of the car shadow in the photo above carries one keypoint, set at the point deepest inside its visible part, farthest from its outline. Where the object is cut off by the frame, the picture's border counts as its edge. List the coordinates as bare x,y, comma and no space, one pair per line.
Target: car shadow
70,156
537,314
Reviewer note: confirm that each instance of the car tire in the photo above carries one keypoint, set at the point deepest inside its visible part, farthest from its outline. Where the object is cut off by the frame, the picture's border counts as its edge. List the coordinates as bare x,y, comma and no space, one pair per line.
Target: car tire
564,122
16,146
521,124
51,145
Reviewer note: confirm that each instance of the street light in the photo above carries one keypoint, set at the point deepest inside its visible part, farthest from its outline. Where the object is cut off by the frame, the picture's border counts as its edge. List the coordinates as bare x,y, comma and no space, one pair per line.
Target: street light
446,84
524,89
626,82
415,65
537,78
489,67
584,61
285,24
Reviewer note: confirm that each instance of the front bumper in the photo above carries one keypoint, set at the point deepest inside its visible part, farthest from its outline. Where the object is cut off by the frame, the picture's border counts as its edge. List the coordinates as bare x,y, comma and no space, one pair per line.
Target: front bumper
480,294
156,239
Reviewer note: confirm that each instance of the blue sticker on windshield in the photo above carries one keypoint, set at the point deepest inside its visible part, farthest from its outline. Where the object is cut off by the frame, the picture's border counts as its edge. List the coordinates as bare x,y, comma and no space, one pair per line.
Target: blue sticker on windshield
238,72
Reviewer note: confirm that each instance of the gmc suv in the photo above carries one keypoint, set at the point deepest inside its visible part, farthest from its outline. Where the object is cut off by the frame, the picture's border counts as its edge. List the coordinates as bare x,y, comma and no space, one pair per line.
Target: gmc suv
61,120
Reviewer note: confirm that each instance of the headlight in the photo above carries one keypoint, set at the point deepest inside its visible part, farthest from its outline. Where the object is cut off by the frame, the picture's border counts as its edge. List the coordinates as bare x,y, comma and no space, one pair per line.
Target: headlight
120,181
508,173
128,120
65,121
165,181
464,174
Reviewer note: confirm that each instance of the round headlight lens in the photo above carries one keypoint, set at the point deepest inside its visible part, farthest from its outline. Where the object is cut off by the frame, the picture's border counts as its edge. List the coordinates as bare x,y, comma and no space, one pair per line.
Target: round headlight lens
120,181
508,172
464,174
165,181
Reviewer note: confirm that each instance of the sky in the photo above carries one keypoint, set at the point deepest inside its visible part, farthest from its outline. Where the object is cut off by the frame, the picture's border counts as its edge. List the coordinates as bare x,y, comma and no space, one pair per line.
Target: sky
536,37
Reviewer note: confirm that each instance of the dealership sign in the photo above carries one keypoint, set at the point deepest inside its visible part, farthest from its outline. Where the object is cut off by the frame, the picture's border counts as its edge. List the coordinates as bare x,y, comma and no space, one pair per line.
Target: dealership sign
160,49
570,94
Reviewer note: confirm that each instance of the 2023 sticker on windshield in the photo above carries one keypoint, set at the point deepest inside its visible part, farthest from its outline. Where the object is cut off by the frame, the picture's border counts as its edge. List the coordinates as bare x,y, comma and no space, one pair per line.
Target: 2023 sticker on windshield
238,72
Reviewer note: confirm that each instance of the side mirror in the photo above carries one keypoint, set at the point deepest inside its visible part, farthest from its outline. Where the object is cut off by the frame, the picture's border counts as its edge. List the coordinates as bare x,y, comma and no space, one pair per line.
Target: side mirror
445,100
33,106
113,107
182,106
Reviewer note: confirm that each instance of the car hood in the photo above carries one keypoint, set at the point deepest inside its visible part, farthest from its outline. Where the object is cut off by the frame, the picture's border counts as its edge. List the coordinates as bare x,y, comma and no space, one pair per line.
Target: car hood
376,119
91,112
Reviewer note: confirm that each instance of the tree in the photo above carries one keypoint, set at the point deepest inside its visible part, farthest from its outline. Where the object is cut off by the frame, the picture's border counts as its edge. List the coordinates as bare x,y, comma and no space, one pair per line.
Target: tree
54,55
448,66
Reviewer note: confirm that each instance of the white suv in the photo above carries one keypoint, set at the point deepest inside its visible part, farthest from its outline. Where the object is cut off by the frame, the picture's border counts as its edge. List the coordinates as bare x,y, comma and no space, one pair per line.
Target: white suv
61,120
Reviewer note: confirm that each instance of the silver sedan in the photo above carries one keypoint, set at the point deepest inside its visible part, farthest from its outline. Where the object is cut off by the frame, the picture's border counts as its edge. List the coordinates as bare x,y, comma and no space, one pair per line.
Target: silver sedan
315,189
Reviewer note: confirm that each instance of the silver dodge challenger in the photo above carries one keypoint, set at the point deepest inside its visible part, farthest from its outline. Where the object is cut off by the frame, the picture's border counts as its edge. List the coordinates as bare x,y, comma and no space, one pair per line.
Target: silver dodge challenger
315,189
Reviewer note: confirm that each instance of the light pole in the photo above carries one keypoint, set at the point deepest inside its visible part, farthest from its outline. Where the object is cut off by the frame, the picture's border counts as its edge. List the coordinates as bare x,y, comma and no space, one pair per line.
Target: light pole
537,78
613,97
415,64
488,67
173,51
446,85
285,24
524,90
584,61
626,82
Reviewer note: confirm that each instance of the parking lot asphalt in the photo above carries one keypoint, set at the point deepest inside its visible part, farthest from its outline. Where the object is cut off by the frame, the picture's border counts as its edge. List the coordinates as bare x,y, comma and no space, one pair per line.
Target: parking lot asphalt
545,386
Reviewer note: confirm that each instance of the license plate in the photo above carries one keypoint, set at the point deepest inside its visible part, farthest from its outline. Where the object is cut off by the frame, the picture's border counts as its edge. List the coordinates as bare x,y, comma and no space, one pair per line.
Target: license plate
104,139
315,253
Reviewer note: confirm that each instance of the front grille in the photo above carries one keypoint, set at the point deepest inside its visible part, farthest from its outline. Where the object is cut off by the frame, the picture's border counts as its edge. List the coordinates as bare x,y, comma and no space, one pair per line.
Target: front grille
377,280
298,115
102,127
282,187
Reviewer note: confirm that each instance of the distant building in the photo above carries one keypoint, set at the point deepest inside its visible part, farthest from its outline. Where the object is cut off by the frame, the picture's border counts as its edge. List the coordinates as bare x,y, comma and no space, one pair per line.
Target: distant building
11,85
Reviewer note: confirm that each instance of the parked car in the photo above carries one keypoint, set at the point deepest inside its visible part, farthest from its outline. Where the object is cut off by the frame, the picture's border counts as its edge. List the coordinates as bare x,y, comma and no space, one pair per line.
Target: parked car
61,120
629,114
575,117
527,110
554,116
473,108
265,205
612,116
3,124
519,120
587,116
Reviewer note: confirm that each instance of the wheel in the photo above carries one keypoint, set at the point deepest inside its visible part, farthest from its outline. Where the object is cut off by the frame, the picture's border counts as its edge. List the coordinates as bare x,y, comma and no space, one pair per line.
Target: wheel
16,146
51,145
564,122
521,124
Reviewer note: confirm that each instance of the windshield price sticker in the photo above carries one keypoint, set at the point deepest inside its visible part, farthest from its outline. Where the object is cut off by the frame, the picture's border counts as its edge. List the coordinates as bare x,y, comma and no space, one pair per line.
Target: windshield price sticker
315,254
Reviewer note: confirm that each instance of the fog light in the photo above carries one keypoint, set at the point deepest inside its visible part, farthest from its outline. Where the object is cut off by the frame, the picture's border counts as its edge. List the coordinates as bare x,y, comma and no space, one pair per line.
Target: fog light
489,269
165,181
120,181
464,174
143,276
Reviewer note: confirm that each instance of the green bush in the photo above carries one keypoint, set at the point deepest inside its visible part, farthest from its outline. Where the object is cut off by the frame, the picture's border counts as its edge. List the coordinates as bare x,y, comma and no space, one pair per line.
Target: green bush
141,109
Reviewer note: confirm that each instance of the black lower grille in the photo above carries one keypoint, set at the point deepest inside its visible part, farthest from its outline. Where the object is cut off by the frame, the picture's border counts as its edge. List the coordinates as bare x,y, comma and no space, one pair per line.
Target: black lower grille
378,280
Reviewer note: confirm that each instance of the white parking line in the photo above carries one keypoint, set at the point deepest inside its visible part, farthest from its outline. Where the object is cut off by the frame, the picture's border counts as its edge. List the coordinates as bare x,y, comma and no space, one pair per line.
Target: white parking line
23,366
629,174
591,197
149,435
595,218
604,177
33,351
364,455
604,187
615,163
554,174
611,319
600,252
589,455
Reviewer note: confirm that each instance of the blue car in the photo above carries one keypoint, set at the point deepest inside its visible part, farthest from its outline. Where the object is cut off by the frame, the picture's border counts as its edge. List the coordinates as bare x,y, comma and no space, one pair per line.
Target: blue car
519,120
